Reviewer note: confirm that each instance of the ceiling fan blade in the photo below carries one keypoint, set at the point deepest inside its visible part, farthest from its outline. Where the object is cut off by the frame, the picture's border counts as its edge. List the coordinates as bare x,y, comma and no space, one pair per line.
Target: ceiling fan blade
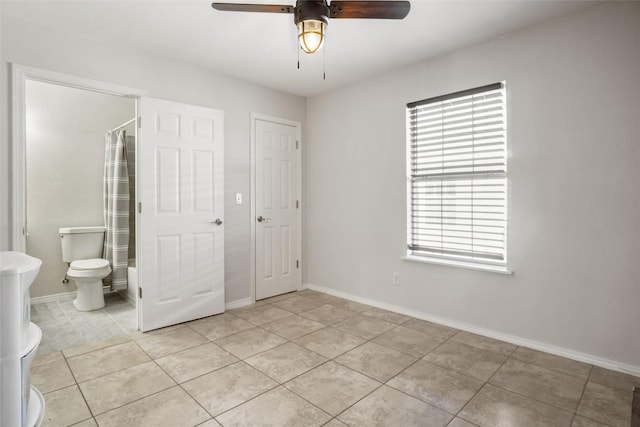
239,7
369,9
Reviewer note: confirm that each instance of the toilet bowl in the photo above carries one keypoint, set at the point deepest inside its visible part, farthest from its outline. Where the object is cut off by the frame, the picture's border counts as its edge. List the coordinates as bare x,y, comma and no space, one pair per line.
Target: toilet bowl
88,275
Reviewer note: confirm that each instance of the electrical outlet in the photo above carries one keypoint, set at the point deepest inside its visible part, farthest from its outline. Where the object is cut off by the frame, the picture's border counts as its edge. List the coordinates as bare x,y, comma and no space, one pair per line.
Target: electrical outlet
238,198
396,278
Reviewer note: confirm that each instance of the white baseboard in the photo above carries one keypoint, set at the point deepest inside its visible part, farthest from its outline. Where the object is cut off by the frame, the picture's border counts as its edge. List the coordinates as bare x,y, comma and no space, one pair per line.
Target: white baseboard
127,297
237,303
513,339
52,298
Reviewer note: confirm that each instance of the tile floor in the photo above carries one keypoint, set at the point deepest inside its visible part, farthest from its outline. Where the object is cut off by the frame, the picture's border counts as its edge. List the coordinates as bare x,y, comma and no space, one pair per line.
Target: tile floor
311,359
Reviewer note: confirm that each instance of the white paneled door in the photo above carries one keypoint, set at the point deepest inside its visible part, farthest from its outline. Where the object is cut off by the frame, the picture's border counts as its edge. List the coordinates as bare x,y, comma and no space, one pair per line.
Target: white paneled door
181,213
277,207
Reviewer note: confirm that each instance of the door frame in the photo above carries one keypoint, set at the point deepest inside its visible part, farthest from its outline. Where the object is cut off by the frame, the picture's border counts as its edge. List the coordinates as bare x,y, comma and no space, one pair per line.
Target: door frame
264,117
19,75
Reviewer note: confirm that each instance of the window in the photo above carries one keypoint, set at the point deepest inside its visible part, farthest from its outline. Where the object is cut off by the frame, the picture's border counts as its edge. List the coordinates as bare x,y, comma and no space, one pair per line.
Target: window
457,178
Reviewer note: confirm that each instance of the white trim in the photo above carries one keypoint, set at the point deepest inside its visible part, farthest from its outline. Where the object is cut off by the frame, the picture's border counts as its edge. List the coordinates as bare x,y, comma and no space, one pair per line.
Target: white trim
51,298
238,303
19,75
252,258
462,264
513,339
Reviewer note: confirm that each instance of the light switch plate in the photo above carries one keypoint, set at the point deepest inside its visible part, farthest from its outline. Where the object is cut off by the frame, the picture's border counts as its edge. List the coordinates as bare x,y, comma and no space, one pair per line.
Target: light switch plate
238,198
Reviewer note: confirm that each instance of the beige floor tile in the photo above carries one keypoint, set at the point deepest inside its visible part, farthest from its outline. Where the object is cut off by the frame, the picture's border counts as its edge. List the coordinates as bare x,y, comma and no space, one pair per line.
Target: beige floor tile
351,305
431,328
614,379
410,341
42,359
375,361
97,345
280,297
484,343
389,407
278,407
328,314
580,421
262,314
329,342
228,387
608,405
220,326
171,342
285,361
210,423
170,408
465,359
86,423
332,387
106,360
440,387
138,335
493,406
122,387
386,315
193,362
335,423
366,327
459,422
246,344
51,376
64,407
553,362
299,304
544,385
292,327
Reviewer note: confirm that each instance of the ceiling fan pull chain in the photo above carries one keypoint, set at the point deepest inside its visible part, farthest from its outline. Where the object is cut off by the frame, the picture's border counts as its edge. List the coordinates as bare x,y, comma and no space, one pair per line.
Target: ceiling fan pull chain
324,64
298,57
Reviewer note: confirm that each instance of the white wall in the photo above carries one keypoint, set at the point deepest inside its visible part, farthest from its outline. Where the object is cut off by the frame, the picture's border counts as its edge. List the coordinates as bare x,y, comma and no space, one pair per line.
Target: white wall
39,47
65,140
574,195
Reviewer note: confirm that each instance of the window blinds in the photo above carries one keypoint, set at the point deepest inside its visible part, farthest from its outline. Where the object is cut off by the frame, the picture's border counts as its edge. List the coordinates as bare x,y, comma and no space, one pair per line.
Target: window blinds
457,160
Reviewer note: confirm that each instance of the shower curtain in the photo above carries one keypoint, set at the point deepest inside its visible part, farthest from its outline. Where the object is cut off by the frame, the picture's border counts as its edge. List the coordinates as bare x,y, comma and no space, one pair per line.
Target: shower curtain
116,207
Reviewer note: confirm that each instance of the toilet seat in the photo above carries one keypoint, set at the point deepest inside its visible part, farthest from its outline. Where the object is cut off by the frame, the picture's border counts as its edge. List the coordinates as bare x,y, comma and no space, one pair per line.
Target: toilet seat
87,268
89,264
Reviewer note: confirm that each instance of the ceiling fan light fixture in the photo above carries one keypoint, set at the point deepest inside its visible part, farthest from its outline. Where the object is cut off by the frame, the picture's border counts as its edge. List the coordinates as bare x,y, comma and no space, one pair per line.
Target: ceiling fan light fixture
311,35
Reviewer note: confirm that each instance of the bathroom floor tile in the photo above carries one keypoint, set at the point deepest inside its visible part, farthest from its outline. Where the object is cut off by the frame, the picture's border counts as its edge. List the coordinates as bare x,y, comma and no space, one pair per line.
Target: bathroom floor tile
122,387
95,345
608,405
107,360
386,315
614,379
292,327
171,342
220,326
51,376
350,305
253,341
292,411
553,362
365,327
484,343
171,408
389,407
329,342
375,361
332,387
193,362
409,341
465,359
328,314
431,328
459,422
544,385
440,387
65,407
262,314
493,406
580,421
228,387
285,361
299,304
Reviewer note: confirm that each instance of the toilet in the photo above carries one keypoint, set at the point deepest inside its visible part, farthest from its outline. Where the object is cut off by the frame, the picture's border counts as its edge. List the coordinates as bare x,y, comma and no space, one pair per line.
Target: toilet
82,249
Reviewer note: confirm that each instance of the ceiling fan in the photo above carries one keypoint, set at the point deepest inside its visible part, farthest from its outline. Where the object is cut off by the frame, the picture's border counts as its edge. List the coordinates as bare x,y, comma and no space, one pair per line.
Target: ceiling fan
312,16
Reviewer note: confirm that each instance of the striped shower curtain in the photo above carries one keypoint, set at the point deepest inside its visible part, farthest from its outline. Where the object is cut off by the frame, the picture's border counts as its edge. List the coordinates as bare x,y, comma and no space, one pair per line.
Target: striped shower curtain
116,207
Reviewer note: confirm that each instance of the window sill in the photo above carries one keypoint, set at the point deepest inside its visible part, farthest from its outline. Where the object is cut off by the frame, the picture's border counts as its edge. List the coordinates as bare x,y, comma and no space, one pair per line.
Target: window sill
462,264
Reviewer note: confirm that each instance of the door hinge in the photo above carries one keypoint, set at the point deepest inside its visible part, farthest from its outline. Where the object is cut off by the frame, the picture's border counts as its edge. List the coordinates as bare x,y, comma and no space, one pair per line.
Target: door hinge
139,292
139,207
297,204
297,263
297,142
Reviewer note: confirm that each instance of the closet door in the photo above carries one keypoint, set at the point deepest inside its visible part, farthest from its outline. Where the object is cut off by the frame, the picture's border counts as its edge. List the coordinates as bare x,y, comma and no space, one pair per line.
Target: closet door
181,220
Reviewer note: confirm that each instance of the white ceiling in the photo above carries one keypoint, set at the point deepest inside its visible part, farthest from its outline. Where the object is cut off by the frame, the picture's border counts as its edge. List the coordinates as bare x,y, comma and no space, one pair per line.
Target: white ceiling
261,47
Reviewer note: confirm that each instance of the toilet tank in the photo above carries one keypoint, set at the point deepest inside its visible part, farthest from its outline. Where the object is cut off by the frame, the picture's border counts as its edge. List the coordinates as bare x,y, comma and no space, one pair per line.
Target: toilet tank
81,242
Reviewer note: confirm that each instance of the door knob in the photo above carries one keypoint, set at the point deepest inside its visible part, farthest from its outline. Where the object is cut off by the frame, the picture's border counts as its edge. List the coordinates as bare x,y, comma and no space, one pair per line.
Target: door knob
218,221
261,219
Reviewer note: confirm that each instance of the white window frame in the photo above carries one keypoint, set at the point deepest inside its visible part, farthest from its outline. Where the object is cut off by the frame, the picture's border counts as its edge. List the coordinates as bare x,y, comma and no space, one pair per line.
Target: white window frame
468,229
